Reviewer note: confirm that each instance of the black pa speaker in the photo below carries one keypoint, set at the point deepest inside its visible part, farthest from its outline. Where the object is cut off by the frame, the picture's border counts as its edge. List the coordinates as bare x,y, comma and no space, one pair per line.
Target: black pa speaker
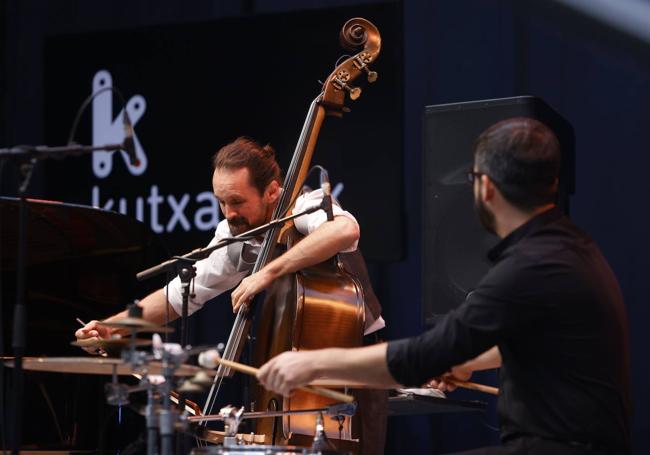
454,243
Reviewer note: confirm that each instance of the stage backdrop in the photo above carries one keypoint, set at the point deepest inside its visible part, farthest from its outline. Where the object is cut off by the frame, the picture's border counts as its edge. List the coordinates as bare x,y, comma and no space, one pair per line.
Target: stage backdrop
192,88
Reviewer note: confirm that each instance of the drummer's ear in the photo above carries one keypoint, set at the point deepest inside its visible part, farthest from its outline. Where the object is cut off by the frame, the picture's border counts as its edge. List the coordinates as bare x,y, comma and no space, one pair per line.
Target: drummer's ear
272,192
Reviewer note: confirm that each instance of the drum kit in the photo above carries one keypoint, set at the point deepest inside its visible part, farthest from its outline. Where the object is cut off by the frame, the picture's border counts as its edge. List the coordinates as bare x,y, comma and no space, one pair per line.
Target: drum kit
166,378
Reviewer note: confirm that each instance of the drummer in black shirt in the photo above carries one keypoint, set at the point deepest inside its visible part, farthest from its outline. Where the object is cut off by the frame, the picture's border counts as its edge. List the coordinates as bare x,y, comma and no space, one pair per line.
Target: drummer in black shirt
549,313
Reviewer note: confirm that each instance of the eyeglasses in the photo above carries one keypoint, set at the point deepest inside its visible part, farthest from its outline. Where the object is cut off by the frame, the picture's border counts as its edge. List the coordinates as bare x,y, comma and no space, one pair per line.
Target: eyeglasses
473,175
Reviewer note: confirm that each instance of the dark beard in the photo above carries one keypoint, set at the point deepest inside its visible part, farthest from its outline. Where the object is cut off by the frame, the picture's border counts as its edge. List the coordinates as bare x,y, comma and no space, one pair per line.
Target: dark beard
485,216
238,225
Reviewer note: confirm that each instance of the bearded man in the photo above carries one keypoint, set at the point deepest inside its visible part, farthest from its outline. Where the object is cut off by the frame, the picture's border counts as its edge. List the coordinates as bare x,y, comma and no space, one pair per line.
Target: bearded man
248,185
549,313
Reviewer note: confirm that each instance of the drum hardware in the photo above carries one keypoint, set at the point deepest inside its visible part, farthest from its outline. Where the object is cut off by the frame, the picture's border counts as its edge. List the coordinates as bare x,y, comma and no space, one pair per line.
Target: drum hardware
334,411
320,437
263,450
232,417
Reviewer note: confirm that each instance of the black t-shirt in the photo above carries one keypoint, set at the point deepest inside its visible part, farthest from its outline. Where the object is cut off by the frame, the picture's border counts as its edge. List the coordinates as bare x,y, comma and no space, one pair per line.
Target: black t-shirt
553,306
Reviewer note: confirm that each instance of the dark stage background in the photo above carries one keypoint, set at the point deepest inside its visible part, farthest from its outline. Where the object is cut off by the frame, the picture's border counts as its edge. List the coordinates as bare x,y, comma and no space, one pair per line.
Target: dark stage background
434,52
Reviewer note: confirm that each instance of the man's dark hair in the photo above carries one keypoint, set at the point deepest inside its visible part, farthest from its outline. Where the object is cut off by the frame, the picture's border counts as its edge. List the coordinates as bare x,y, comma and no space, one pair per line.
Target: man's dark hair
522,157
244,152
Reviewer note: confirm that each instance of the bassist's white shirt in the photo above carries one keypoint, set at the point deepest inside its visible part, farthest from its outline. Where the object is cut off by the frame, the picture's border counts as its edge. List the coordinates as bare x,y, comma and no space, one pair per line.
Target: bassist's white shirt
219,272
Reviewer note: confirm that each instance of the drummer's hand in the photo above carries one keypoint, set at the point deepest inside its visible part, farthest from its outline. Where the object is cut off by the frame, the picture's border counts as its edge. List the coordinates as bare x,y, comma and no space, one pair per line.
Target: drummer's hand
249,287
93,331
287,371
445,383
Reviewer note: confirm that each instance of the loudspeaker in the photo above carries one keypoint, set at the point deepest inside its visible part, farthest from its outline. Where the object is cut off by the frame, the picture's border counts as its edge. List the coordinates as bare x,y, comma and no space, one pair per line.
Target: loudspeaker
454,244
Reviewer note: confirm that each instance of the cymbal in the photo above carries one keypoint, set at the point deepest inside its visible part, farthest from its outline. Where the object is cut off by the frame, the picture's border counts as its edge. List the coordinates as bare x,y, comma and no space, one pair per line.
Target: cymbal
110,343
138,325
100,365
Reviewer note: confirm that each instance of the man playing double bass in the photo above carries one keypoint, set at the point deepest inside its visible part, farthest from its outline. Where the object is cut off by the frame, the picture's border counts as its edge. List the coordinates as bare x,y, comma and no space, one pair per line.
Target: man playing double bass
248,185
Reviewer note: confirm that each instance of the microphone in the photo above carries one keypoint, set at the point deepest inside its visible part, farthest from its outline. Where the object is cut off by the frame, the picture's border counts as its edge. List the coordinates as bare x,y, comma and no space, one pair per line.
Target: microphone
128,145
326,203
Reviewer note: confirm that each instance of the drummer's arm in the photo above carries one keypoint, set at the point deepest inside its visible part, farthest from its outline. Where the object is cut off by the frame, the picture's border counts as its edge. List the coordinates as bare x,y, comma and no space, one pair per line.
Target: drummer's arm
486,361
366,365
153,310
156,309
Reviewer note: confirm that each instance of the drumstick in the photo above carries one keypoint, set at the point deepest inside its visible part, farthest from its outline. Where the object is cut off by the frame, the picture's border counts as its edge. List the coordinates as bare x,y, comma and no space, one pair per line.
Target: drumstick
334,395
473,386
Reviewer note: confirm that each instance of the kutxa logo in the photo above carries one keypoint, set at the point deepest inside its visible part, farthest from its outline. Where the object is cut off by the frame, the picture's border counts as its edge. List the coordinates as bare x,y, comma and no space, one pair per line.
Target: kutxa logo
108,129
162,212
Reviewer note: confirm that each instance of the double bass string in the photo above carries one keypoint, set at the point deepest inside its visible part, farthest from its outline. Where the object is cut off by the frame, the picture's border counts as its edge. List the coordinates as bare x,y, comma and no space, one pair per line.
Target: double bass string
237,332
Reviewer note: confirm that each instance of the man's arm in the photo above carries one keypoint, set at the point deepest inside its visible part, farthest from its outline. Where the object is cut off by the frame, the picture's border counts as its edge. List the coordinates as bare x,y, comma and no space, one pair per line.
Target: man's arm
323,243
488,360
292,369
154,308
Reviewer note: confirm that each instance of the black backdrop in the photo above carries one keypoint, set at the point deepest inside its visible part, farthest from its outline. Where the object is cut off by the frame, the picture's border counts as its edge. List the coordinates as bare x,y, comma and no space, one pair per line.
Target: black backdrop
205,84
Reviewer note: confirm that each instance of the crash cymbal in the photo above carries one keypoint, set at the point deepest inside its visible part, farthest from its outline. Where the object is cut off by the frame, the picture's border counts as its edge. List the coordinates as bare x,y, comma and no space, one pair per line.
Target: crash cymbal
138,325
110,343
202,379
189,387
99,365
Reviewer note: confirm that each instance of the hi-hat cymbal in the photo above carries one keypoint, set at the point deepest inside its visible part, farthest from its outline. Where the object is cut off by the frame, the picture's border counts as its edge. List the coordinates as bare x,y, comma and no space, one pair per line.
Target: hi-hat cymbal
99,365
110,343
137,325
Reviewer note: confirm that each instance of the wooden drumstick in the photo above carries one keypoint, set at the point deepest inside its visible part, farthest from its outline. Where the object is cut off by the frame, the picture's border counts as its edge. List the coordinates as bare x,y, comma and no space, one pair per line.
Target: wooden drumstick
473,386
334,395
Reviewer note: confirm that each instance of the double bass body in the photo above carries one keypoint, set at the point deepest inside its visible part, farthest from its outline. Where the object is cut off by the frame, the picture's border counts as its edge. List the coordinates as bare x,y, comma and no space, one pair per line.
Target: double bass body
318,307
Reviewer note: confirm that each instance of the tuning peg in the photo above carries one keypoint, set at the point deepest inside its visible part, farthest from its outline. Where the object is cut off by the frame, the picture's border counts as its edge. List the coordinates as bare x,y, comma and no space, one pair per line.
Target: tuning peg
354,92
361,63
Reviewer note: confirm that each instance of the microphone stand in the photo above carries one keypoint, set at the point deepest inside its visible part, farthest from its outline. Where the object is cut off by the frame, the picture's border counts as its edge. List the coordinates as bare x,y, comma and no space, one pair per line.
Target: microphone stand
31,154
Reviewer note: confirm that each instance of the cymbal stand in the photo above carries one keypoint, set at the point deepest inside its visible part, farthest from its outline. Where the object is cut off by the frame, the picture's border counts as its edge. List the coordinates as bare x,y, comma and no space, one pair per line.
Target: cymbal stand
167,414
172,356
231,418
117,394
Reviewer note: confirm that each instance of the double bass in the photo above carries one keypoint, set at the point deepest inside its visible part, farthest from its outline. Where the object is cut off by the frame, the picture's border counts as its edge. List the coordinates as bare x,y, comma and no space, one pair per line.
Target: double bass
321,306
